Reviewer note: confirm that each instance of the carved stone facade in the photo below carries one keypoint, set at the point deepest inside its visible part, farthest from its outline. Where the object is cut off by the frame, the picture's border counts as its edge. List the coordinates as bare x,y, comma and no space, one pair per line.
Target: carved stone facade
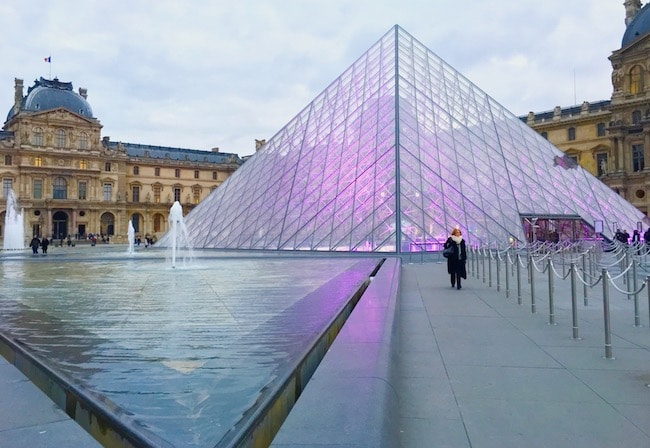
70,181
611,138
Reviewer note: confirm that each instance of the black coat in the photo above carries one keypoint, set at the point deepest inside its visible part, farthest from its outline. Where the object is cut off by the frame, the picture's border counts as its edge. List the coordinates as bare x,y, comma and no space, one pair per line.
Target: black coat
456,262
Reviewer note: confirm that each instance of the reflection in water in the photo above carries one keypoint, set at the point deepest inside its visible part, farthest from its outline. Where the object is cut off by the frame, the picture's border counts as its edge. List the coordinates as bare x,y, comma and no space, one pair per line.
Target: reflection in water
186,352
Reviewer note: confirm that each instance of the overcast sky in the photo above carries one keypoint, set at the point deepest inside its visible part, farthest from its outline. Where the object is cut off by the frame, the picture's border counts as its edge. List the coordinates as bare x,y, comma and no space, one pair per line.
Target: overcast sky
222,73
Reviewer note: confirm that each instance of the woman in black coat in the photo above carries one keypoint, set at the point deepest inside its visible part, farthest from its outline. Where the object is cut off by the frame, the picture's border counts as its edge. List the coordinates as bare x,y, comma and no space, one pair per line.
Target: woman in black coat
456,261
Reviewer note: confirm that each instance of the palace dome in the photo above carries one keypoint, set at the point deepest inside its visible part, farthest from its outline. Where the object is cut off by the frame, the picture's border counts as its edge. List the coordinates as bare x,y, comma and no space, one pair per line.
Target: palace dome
48,94
638,27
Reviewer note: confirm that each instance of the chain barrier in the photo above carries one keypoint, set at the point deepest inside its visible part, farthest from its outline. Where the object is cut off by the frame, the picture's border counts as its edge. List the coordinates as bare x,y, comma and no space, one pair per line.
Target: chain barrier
582,264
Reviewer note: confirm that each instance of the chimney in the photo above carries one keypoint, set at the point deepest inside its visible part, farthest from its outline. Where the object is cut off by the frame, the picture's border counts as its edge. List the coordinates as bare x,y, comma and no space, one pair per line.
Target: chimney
18,94
83,92
215,149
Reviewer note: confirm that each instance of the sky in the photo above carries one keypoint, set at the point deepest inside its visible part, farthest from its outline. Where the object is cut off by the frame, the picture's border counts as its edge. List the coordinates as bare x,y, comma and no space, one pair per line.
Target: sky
222,73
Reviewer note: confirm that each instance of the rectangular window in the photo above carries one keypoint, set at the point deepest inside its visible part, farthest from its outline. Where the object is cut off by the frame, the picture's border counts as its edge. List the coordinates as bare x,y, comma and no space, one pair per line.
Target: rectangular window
572,133
83,164
38,189
601,160
135,193
136,170
157,171
7,160
83,141
59,188
156,194
108,192
7,185
38,161
107,166
600,127
38,137
60,138
196,194
177,194
83,188
637,158
635,80
177,172
214,175
196,174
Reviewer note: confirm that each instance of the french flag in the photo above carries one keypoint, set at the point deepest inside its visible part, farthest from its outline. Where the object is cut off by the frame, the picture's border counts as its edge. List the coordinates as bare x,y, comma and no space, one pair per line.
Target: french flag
48,59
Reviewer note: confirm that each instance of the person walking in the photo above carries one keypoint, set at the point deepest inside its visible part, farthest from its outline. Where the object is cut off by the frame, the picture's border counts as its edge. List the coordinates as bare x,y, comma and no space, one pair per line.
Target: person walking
44,244
456,261
34,245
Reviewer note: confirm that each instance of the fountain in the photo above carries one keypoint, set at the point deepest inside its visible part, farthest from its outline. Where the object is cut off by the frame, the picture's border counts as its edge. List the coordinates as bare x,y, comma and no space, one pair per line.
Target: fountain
131,237
180,242
14,235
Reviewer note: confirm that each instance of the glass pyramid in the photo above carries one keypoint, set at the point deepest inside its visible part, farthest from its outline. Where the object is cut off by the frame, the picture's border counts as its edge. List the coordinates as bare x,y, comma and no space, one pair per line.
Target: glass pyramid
392,155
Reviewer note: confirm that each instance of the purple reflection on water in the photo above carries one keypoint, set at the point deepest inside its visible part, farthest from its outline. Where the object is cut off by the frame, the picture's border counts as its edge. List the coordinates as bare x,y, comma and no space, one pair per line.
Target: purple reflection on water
186,352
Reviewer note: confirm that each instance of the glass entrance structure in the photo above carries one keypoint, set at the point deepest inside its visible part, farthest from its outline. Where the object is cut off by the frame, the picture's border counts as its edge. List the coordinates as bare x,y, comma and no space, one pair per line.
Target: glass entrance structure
393,154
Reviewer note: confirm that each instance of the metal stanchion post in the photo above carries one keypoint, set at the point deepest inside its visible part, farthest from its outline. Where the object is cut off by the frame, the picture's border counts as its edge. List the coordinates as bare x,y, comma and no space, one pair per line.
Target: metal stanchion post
574,301
483,260
647,286
519,301
626,279
637,316
551,310
608,331
531,270
584,284
498,260
490,268
507,264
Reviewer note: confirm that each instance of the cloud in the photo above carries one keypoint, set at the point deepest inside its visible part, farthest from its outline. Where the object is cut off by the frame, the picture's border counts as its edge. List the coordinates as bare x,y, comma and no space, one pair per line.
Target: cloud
223,73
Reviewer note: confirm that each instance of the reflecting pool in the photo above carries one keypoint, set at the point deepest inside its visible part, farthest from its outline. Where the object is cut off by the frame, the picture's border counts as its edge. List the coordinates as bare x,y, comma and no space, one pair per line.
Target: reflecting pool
185,352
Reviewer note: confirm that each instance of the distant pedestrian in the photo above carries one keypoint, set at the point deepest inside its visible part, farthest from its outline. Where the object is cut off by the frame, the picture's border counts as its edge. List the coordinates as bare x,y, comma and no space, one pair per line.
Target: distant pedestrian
44,243
456,261
35,244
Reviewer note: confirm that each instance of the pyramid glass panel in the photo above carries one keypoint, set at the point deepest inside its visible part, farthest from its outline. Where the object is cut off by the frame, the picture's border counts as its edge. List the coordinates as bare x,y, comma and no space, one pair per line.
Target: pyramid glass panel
393,154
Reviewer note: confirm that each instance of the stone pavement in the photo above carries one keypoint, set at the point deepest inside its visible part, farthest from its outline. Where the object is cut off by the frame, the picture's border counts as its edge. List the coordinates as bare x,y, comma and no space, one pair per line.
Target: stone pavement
476,369
29,419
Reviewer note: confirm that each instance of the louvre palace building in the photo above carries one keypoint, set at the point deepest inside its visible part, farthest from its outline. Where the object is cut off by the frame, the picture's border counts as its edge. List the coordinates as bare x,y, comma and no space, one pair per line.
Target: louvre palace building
69,180
611,138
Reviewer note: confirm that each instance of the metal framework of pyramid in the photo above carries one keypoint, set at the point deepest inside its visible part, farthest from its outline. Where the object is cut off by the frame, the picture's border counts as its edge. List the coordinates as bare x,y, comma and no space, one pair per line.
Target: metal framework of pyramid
392,155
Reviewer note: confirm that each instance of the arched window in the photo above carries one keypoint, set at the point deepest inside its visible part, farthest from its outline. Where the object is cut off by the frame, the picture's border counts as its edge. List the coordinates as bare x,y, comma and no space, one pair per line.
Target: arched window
59,188
83,141
60,138
636,117
636,79
38,137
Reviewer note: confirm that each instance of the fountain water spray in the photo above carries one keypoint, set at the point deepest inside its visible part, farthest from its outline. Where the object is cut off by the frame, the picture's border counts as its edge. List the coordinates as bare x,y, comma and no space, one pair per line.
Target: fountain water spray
178,231
14,238
131,236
